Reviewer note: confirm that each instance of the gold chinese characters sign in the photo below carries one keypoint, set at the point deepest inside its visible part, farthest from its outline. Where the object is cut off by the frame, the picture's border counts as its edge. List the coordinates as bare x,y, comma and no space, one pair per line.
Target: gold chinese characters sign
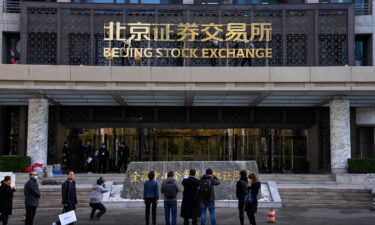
241,34
222,175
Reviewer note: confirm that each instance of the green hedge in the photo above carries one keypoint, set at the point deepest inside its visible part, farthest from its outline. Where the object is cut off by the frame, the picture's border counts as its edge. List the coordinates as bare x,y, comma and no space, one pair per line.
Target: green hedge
13,163
366,165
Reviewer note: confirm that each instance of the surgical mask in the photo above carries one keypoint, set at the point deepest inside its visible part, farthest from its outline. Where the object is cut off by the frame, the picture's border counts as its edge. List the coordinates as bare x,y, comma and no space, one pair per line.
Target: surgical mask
103,146
36,177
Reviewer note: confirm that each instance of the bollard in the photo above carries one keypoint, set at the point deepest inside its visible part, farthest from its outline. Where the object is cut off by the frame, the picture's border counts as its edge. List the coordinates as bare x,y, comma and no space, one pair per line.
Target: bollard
271,217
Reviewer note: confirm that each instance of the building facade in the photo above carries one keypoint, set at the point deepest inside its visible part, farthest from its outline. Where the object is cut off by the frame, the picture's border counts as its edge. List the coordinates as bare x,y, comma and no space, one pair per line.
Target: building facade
289,84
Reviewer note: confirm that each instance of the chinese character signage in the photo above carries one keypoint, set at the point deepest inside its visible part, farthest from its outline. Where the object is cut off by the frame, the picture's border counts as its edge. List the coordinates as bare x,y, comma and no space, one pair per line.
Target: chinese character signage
183,34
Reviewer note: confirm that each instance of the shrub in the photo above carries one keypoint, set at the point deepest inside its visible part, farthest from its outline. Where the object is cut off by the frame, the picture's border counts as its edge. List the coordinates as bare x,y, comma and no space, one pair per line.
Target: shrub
13,163
366,165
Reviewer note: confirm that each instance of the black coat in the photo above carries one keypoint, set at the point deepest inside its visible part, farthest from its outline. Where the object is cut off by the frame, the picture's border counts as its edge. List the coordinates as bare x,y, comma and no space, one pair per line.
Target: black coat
190,199
103,153
6,199
123,152
241,191
32,194
90,151
71,199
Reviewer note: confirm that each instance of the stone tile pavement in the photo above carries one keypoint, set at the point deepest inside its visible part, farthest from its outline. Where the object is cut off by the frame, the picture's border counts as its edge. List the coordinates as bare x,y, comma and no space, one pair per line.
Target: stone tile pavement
225,216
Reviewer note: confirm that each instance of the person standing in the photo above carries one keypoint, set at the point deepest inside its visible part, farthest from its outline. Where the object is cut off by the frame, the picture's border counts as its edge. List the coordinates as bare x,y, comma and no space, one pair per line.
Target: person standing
241,192
68,193
32,196
89,155
66,156
190,202
253,189
207,196
103,155
123,156
80,156
96,198
6,199
151,197
170,190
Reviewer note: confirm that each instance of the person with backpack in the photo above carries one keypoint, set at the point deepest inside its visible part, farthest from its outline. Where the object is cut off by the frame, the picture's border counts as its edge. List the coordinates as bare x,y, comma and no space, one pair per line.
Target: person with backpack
151,197
207,196
253,190
190,201
170,190
241,192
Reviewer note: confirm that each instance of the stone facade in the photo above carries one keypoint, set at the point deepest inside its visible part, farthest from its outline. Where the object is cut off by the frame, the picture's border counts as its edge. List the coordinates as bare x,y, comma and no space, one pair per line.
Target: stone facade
226,171
340,135
37,131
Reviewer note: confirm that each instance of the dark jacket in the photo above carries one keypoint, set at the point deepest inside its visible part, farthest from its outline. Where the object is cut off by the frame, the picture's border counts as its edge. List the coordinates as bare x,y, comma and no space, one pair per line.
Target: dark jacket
241,191
254,190
32,194
123,152
68,193
151,189
214,182
169,180
103,153
6,199
90,151
190,201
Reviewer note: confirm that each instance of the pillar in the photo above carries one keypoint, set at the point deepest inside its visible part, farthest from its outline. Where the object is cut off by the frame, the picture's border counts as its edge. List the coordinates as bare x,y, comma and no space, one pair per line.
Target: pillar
37,130
340,134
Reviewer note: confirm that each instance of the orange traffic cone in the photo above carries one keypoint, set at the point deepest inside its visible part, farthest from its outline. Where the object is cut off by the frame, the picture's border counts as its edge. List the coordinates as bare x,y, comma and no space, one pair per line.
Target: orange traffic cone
271,217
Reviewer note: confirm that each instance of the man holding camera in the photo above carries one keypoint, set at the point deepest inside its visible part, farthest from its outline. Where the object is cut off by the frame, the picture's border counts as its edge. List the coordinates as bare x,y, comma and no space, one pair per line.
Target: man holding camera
96,198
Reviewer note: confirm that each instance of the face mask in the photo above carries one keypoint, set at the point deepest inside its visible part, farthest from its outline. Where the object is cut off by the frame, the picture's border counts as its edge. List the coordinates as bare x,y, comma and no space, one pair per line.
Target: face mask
103,146
36,177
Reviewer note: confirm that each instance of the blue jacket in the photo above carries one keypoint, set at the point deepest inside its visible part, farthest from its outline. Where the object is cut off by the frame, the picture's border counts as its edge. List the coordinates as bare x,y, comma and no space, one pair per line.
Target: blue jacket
151,189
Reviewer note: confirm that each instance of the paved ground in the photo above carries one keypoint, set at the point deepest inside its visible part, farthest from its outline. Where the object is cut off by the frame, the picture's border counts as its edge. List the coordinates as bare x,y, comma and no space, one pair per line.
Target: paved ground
225,216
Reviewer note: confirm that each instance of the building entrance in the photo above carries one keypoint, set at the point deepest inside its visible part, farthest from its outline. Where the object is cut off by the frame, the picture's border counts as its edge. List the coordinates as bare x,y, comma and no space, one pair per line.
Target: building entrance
275,150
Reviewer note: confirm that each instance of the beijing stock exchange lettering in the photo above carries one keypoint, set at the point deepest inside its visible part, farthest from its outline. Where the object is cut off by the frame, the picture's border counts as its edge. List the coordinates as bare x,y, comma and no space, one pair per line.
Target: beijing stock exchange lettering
241,36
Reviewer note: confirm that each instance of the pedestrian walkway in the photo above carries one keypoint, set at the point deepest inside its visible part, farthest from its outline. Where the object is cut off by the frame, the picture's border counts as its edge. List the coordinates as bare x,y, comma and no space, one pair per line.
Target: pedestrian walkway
225,216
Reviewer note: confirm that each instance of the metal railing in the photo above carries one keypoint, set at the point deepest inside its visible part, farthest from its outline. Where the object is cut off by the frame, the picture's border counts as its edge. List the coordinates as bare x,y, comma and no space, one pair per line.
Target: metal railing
11,6
363,9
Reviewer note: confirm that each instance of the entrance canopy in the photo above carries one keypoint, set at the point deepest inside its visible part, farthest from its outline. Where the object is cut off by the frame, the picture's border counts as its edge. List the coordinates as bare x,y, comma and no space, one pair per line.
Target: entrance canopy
187,86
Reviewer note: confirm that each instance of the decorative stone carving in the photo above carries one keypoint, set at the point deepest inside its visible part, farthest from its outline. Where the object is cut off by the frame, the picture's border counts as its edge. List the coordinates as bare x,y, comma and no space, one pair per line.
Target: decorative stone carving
370,182
226,171
37,133
340,135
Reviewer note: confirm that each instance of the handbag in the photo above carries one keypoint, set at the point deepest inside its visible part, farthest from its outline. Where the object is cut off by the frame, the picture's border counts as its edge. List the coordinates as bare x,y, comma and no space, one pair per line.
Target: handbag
68,217
248,199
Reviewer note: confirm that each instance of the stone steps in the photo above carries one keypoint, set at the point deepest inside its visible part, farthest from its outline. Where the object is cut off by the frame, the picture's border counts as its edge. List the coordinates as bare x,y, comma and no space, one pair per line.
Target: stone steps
21,178
331,197
51,197
298,178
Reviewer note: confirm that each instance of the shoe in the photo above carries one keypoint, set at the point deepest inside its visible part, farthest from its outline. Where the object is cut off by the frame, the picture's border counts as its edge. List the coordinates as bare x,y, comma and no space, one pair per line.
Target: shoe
96,219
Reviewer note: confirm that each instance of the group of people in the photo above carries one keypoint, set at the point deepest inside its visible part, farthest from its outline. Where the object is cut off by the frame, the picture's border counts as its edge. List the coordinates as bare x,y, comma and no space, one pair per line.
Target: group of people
198,197
84,154
33,195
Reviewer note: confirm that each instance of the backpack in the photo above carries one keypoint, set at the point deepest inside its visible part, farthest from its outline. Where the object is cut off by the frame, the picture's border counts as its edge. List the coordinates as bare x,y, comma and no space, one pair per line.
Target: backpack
170,190
205,189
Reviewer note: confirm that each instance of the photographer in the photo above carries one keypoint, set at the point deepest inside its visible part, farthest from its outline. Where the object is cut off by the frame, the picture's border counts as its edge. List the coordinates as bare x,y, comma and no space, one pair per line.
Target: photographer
96,198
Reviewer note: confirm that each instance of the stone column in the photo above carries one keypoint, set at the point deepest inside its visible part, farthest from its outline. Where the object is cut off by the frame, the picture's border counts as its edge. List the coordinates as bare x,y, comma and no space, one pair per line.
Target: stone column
340,134
37,130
